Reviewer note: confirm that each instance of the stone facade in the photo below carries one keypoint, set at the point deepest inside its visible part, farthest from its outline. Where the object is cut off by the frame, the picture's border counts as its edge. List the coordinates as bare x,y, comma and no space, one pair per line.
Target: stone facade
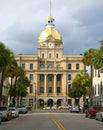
98,88
51,73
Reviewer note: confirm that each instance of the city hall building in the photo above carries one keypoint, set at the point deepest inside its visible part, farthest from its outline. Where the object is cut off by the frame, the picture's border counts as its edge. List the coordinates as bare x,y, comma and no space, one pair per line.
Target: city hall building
50,72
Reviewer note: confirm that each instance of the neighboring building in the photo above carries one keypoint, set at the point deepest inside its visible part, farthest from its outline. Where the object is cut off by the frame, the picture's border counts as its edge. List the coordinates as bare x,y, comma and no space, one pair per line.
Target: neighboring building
98,88
50,72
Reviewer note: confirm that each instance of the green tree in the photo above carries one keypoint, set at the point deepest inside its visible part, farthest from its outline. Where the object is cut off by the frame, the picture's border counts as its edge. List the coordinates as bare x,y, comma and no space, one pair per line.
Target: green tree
97,61
87,60
80,85
22,84
5,57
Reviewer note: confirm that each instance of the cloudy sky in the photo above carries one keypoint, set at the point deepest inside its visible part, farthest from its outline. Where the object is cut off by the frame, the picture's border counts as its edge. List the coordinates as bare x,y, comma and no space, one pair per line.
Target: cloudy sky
80,23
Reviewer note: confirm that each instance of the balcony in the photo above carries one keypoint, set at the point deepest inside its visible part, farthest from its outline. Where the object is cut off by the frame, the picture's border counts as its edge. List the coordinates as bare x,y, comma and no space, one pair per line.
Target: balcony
51,68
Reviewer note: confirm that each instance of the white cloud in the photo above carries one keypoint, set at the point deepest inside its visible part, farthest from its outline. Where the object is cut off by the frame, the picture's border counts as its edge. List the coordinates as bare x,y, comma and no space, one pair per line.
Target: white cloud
79,22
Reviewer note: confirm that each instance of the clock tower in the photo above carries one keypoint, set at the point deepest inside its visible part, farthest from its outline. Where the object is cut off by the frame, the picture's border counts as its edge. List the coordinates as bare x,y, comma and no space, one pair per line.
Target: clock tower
50,42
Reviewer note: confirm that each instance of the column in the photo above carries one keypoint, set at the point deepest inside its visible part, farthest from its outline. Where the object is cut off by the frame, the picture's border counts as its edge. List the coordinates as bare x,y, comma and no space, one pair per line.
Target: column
54,84
45,84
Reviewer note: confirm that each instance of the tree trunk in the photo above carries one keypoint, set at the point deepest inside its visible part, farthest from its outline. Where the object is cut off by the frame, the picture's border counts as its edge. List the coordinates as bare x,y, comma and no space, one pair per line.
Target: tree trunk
1,85
90,95
14,96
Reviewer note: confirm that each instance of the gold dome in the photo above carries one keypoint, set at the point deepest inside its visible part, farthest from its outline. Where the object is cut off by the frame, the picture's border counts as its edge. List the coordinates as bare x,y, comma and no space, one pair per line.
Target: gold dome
49,31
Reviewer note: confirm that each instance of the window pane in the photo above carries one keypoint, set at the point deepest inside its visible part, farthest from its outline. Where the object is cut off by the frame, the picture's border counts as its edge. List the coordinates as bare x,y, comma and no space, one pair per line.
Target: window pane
57,56
50,55
42,66
69,76
41,77
31,66
69,66
58,89
58,77
31,88
50,90
77,66
23,66
43,55
50,77
31,77
41,89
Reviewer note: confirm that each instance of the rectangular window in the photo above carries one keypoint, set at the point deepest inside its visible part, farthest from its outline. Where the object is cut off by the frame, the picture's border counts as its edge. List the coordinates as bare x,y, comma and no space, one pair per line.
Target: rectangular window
69,66
31,88
77,66
42,77
50,77
41,89
50,90
69,76
31,66
58,89
23,66
50,65
58,77
31,77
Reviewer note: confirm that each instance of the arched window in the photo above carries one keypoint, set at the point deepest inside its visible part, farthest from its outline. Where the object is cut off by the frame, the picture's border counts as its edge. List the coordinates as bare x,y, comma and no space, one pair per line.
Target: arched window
50,55
57,56
43,55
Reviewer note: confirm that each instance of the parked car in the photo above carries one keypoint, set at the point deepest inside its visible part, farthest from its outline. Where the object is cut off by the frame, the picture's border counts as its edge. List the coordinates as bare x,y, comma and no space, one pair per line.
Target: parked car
75,109
0,117
99,115
15,112
46,108
6,113
91,113
22,109
65,107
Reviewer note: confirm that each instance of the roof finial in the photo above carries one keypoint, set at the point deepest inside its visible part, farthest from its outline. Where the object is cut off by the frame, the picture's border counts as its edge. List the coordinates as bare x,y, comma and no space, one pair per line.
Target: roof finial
50,7
50,18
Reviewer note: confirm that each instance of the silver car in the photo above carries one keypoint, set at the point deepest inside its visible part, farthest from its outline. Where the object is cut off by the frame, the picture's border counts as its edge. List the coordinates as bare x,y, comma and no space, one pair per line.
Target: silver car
99,116
15,112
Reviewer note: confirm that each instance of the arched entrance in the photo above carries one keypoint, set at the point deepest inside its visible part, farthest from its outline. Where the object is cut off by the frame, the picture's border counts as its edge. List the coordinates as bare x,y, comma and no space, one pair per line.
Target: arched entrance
50,102
59,102
40,103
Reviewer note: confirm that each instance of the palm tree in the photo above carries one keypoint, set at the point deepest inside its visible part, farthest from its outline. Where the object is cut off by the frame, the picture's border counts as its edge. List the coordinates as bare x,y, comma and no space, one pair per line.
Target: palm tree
97,61
87,60
5,56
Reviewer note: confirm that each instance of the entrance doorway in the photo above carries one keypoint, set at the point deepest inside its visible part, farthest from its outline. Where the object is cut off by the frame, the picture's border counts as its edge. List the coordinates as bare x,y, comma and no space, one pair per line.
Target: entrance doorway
50,103
59,102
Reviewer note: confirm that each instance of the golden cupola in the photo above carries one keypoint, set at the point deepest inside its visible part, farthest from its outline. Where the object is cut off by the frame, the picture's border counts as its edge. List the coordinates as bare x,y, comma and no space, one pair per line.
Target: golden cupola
49,31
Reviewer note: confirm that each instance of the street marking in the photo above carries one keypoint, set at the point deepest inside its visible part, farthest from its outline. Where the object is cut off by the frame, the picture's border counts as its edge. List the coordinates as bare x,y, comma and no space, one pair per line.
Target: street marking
58,124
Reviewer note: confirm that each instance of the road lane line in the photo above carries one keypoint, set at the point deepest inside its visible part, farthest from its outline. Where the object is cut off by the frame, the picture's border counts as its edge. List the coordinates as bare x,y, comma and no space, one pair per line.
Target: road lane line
58,124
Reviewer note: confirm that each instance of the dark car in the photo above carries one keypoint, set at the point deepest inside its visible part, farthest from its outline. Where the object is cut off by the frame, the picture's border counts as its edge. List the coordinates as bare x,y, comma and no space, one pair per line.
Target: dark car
91,113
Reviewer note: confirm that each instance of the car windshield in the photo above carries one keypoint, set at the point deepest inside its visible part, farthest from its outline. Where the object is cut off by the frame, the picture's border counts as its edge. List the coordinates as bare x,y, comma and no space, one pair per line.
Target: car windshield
21,106
12,109
3,108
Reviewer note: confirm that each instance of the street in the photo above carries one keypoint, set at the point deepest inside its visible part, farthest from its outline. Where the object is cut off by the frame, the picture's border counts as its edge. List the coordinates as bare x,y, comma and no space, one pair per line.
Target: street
52,120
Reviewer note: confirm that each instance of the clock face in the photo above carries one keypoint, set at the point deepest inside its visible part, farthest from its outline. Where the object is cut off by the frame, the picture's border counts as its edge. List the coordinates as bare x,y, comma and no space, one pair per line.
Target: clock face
50,45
